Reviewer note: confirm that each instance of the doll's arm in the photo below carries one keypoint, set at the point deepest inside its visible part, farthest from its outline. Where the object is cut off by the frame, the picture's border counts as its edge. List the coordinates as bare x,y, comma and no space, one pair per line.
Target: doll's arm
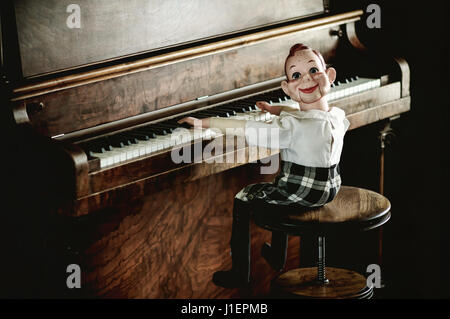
276,108
222,124
193,121
266,107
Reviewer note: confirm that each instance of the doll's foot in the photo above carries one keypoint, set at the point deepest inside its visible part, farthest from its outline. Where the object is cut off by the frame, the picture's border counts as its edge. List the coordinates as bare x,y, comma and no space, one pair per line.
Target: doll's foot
230,279
267,254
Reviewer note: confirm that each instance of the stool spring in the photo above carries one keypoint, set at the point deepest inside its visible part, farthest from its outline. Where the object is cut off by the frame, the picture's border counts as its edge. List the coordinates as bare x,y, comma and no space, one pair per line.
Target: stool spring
321,277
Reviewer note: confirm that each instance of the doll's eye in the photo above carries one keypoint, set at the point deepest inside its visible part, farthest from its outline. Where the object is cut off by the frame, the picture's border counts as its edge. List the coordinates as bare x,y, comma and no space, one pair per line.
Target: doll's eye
313,70
296,75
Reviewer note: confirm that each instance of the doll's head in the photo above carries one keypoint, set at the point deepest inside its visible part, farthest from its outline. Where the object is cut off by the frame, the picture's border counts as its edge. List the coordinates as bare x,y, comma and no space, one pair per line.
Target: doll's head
308,78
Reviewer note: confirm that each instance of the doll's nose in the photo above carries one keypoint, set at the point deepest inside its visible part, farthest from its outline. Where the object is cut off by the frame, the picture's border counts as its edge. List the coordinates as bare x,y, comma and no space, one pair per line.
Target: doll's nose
306,77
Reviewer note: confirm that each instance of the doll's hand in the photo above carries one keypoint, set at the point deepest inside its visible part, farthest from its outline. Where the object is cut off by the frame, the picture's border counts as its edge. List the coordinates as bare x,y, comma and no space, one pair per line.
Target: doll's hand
266,107
324,82
194,121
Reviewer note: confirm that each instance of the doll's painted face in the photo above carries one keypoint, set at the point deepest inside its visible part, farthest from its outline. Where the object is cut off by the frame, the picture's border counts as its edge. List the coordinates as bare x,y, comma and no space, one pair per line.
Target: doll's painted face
308,81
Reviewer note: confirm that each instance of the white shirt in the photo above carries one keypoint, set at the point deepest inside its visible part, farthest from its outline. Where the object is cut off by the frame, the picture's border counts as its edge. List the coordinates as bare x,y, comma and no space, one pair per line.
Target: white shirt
311,138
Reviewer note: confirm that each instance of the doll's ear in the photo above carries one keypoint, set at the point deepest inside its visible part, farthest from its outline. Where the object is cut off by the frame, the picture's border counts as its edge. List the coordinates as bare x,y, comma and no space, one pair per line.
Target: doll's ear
331,72
284,86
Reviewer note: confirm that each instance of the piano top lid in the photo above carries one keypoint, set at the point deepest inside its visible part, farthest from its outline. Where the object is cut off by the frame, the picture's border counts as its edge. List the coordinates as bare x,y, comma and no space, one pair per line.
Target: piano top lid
55,35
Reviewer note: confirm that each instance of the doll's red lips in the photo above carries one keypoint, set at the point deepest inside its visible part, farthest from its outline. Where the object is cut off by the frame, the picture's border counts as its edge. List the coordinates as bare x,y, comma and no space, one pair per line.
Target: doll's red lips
309,90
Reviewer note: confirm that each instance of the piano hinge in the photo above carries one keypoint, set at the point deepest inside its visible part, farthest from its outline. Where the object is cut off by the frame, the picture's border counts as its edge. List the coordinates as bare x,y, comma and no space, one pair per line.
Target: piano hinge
202,97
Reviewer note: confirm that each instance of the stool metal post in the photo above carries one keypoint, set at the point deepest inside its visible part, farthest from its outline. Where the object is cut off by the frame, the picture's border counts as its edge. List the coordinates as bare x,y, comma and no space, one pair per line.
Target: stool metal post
321,277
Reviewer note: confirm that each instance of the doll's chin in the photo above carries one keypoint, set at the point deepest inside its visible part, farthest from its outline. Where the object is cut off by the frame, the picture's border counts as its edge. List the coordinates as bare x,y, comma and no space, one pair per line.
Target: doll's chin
310,99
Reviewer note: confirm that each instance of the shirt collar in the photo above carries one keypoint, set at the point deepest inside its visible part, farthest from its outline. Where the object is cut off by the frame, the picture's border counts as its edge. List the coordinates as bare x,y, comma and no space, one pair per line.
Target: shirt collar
333,113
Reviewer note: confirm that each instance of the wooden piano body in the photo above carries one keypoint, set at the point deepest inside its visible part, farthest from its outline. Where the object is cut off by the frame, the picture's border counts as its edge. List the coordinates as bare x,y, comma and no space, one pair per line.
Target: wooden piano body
147,227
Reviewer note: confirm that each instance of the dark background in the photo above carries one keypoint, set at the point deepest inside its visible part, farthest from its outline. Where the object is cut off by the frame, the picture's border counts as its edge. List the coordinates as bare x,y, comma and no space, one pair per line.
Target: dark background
416,241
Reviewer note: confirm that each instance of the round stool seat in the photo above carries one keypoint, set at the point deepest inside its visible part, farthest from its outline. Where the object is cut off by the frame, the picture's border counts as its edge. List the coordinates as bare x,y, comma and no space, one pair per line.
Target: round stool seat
352,209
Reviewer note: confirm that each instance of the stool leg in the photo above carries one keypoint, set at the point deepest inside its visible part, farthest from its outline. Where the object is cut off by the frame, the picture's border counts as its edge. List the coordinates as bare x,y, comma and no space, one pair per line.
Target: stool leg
321,278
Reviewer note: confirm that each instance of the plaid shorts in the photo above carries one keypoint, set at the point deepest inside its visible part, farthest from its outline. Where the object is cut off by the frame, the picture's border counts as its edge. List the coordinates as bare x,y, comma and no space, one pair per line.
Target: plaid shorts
298,185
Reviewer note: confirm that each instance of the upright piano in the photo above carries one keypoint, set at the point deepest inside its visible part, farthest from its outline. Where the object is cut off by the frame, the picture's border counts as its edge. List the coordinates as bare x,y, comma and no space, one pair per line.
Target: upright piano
95,90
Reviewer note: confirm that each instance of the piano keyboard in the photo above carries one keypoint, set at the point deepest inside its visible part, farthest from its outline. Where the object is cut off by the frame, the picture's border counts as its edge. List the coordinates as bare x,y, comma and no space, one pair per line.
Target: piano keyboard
351,86
151,138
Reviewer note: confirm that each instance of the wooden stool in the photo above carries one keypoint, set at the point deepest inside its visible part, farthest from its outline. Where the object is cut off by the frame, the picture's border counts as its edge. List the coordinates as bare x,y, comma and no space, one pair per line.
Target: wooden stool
353,209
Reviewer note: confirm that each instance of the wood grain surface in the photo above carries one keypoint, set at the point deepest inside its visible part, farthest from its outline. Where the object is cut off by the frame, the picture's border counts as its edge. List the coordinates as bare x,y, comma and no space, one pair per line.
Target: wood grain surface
350,204
168,244
49,44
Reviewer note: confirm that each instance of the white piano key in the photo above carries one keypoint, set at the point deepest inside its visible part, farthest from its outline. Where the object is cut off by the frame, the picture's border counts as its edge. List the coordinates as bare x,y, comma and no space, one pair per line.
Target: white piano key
141,148
105,160
351,88
117,155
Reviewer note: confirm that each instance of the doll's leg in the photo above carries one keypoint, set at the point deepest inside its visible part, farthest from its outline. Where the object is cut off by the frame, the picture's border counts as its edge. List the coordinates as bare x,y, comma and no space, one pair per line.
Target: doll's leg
275,253
239,275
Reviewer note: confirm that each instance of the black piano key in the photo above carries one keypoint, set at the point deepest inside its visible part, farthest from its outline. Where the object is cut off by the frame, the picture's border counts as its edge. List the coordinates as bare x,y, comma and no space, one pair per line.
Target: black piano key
270,97
124,136
219,112
119,141
238,109
167,128
273,96
204,114
230,111
168,124
96,148
279,93
238,105
262,97
201,116
251,100
142,134
154,129
101,145
178,125
252,107
172,126
174,121
245,102
130,138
